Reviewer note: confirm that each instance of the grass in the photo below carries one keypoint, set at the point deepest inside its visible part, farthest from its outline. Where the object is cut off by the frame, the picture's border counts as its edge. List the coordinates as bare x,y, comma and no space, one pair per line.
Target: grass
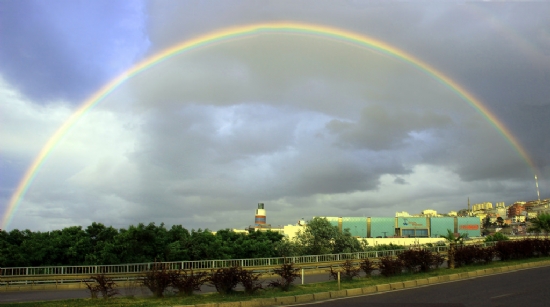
172,300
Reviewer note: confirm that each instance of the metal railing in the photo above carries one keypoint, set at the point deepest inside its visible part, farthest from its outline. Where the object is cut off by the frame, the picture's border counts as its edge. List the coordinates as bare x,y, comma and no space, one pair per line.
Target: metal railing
136,268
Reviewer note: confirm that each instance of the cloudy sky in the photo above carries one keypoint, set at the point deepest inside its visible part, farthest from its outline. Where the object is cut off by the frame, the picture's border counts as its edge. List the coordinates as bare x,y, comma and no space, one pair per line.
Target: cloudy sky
308,125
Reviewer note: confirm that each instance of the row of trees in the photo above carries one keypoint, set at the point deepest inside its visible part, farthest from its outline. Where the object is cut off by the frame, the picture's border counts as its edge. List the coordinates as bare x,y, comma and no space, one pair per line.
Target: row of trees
98,244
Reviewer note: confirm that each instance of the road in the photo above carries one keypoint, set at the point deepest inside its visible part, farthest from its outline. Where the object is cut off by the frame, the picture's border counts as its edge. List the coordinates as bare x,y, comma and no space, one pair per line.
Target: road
526,287
521,288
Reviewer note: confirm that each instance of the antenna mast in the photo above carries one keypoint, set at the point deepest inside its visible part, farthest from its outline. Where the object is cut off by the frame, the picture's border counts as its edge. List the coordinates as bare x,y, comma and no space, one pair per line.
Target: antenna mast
537,183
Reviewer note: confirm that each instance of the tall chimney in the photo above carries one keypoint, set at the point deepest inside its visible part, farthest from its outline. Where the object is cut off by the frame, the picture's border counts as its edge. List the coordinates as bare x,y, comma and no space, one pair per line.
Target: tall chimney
260,215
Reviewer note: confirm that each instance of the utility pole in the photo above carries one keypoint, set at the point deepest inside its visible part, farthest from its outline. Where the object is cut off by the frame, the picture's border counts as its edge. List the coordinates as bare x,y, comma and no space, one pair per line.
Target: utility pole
537,183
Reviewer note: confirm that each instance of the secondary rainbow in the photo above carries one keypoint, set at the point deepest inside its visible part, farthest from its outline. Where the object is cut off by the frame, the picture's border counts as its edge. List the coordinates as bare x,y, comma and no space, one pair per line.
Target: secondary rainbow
229,34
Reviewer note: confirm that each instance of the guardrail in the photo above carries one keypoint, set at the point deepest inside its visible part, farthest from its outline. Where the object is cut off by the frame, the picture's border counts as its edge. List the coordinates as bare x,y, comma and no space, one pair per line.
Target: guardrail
136,268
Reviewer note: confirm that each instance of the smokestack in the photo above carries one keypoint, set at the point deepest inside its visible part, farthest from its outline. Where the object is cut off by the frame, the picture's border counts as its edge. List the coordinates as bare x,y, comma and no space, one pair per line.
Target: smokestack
260,215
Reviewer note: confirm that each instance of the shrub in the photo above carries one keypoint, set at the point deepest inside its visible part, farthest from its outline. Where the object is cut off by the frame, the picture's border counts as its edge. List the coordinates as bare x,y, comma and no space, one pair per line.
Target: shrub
187,281
347,268
419,260
465,255
507,250
157,279
542,247
101,284
225,279
288,273
389,266
250,281
496,237
486,255
367,266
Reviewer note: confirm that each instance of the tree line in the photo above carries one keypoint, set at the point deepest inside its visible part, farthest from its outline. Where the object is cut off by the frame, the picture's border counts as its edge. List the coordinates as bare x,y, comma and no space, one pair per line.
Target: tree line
98,244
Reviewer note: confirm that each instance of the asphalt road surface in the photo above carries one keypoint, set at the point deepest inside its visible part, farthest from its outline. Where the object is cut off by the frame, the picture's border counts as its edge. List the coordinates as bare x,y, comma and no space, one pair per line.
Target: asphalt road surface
525,288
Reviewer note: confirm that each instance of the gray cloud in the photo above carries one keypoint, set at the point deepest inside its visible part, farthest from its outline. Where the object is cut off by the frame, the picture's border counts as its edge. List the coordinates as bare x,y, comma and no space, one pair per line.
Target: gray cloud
309,126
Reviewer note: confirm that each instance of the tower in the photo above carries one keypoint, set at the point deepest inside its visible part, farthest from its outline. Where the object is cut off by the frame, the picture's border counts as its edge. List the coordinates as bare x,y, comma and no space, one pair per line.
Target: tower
260,215
537,183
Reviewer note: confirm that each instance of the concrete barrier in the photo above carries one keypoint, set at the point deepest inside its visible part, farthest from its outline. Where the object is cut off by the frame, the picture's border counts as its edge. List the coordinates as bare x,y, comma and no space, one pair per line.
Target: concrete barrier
336,294
304,298
266,301
396,285
371,289
454,277
285,300
433,280
354,292
383,287
422,282
252,303
321,296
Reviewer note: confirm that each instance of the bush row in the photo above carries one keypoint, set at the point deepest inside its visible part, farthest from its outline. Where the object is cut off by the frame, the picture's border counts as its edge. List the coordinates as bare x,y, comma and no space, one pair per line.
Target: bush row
225,280
184,282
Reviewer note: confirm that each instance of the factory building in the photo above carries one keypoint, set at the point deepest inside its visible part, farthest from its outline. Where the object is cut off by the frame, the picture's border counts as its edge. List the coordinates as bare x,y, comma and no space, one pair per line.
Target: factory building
407,227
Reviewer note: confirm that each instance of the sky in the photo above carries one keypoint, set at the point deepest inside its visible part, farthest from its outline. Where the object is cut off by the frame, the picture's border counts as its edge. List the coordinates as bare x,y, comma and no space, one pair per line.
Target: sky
308,125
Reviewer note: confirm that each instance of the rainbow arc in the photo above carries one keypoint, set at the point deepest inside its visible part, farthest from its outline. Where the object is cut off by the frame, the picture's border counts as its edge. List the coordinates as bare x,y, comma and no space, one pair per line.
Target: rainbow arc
232,33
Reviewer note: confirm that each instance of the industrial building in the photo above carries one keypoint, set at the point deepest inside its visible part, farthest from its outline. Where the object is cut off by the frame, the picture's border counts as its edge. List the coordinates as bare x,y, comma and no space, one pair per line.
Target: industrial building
407,227
382,227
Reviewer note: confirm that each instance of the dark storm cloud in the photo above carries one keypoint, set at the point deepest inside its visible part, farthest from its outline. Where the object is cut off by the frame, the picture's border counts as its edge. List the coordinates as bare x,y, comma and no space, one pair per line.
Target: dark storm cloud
309,126
67,49
380,129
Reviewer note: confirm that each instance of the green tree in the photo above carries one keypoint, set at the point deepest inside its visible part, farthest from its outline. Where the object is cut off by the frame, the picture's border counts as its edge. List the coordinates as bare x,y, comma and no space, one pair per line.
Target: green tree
496,237
344,242
321,237
500,221
540,224
203,244
317,237
453,241
487,222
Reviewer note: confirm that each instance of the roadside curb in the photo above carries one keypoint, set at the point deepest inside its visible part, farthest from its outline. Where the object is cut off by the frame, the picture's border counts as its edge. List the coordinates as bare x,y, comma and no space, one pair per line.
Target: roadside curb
409,284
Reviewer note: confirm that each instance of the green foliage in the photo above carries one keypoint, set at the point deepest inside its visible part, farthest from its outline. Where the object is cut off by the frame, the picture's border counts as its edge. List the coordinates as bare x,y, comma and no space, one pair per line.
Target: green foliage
157,279
452,238
389,266
384,247
367,266
420,260
471,254
225,279
288,248
347,271
287,273
101,284
496,237
321,237
540,224
317,237
186,281
101,245
250,281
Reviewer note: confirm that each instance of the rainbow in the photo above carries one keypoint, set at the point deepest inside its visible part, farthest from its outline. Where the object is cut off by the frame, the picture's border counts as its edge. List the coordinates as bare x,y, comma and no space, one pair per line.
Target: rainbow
228,34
